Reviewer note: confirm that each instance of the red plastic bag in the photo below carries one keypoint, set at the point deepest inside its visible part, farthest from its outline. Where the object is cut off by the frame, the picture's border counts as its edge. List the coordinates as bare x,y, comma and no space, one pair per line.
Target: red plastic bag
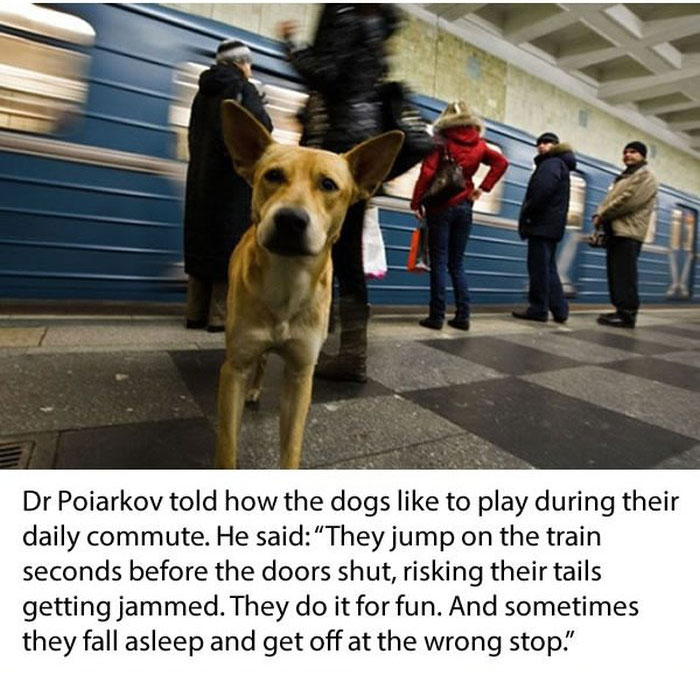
418,261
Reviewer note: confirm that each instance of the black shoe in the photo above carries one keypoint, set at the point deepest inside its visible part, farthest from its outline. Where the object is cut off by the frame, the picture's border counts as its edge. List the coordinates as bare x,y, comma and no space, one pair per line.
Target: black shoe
616,321
459,323
432,323
527,316
195,325
216,328
560,319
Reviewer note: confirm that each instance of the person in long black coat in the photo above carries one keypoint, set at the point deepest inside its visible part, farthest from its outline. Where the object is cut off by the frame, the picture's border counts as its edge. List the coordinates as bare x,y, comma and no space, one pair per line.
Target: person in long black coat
217,199
344,68
542,222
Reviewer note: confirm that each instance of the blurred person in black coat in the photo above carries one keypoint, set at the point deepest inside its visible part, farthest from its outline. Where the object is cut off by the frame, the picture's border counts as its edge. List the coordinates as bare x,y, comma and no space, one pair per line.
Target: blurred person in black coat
344,69
542,222
217,199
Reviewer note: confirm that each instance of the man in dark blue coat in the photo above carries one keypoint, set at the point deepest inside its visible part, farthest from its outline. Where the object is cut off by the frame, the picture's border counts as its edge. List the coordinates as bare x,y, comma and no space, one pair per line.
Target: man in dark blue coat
217,199
542,221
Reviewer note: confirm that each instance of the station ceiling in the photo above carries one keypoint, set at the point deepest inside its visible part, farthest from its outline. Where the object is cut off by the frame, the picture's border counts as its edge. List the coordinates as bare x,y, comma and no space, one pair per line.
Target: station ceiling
640,58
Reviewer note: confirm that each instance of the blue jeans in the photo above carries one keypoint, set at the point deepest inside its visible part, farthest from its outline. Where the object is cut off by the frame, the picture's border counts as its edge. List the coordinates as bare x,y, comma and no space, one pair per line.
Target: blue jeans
448,233
545,286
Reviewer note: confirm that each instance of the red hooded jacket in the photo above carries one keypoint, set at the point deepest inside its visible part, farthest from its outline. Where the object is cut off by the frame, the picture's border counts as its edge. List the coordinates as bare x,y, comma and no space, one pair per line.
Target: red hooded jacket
469,150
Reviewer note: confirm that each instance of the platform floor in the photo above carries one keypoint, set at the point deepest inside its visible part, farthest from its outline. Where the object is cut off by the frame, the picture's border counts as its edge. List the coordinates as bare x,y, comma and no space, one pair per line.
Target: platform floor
139,392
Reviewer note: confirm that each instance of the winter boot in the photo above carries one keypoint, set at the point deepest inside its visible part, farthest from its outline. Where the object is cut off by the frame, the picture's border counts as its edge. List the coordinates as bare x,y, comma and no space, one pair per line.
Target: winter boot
351,362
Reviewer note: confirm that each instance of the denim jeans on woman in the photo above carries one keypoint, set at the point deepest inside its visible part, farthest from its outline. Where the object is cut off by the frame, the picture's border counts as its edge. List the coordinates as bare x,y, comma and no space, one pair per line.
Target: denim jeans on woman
448,233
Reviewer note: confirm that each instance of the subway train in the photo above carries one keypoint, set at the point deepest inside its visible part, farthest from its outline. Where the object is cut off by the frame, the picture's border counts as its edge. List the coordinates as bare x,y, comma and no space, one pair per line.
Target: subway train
93,154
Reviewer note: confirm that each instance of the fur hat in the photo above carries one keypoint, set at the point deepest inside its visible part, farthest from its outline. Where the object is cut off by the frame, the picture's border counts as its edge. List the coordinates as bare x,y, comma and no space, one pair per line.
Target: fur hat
457,113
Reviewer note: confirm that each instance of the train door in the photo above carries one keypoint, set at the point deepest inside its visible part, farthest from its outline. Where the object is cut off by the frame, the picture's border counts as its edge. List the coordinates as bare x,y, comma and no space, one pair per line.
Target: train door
568,258
681,252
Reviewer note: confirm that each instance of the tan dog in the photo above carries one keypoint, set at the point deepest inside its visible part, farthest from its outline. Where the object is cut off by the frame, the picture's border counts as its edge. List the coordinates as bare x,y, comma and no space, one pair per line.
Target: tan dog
280,274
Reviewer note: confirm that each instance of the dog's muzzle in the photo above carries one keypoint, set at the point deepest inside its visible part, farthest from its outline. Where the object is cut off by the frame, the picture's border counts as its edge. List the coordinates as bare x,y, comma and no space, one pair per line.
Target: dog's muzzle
289,232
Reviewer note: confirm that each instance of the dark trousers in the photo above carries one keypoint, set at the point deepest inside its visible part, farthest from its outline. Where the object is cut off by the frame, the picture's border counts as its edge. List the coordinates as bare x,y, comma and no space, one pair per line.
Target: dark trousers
348,267
545,286
622,254
448,234
206,300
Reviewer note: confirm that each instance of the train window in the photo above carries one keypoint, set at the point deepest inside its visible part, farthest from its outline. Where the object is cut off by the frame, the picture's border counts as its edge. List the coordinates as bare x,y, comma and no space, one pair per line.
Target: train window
689,227
489,202
577,201
42,86
651,232
402,186
281,104
682,229
185,81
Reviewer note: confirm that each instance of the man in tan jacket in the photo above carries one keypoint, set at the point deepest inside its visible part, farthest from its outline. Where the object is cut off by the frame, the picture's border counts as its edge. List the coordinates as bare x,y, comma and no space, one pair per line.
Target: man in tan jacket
625,214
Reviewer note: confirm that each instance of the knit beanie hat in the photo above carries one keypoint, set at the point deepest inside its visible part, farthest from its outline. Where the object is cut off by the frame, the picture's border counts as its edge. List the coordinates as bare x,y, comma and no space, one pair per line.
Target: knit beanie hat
547,137
638,146
234,51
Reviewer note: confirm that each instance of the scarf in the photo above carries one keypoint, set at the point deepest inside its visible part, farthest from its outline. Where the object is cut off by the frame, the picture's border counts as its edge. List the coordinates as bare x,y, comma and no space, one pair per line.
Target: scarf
629,170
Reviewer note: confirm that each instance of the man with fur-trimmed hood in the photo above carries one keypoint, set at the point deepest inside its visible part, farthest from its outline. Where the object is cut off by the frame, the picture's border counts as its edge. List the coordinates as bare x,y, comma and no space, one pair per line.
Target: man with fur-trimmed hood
542,222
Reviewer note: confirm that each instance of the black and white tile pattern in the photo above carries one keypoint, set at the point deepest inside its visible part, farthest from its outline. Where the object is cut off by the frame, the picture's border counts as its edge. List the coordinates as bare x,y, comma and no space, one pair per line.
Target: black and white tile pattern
505,395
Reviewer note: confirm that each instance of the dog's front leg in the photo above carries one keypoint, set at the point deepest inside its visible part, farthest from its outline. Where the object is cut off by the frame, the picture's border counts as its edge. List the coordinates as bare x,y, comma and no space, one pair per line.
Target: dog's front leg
294,406
232,388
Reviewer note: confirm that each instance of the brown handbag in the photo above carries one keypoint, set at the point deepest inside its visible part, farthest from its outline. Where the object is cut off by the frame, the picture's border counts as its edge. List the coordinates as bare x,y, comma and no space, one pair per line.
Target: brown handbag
448,181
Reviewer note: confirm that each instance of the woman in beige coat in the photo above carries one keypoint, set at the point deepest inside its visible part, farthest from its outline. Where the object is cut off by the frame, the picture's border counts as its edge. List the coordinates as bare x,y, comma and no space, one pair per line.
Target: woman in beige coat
625,214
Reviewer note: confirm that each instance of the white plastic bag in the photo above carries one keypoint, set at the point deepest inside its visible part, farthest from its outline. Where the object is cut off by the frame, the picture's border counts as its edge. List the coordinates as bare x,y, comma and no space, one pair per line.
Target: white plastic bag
373,252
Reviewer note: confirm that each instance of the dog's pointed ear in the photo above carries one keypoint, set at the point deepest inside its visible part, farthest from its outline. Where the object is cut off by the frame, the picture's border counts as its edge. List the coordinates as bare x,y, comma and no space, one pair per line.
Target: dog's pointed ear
371,161
246,139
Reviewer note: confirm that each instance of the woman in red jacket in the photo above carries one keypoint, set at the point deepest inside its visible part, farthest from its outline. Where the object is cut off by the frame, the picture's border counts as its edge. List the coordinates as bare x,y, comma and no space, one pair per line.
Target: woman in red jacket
450,223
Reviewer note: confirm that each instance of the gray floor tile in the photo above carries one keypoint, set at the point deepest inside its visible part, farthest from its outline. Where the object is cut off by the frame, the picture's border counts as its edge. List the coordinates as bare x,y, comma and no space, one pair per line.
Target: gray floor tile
54,392
548,429
495,326
344,430
463,451
568,347
649,401
502,356
653,334
21,337
659,370
406,366
184,443
686,460
121,333
687,358
624,340
690,327
112,348
686,330
200,372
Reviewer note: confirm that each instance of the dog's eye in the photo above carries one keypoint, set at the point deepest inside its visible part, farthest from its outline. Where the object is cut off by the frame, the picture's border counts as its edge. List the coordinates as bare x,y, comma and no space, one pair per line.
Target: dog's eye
328,185
274,175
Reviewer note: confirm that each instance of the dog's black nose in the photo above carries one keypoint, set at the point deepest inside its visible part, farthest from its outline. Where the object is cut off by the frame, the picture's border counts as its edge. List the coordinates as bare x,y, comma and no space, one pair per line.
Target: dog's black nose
288,237
291,220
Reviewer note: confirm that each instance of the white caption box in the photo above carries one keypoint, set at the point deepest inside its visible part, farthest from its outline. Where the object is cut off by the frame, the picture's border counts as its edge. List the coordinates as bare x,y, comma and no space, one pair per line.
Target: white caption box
494,571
